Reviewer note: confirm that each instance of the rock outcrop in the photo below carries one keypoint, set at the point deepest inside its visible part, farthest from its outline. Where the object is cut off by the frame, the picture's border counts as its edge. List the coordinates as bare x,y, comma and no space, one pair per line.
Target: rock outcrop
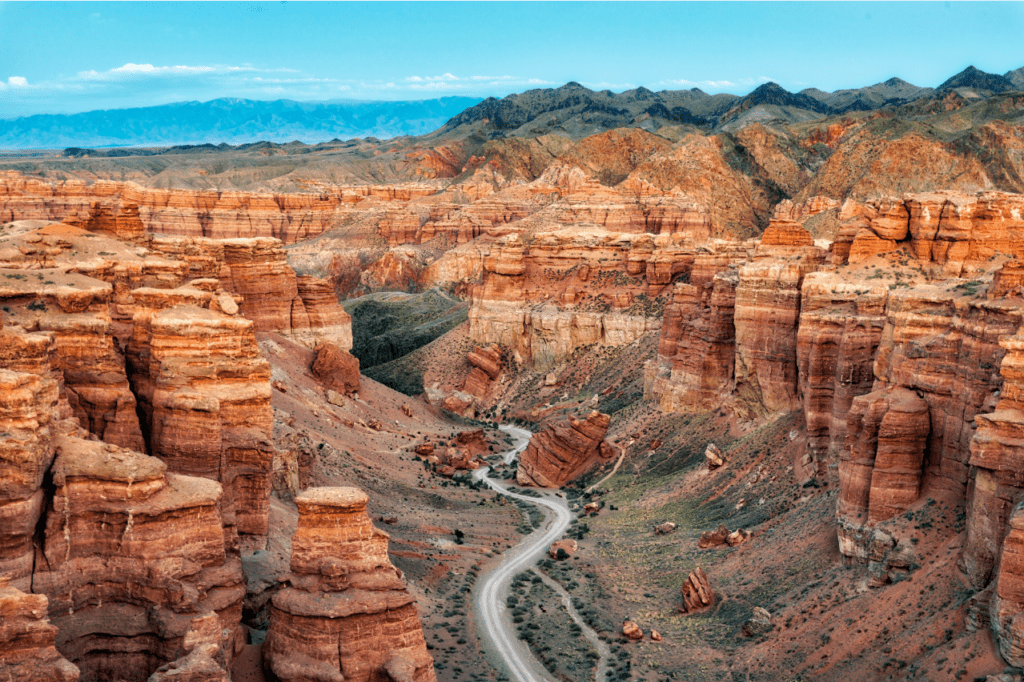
130,555
545,297
336,369
697,592
344,613
27,650
204,392
767,314
563,451
128,210
28,424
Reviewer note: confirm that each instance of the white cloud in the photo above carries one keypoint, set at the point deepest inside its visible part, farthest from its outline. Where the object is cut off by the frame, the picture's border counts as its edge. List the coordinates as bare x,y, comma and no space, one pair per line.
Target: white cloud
130,70
17,81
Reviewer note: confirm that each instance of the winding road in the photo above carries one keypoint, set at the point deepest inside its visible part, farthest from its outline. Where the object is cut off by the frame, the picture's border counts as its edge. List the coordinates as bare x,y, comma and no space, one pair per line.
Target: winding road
522,665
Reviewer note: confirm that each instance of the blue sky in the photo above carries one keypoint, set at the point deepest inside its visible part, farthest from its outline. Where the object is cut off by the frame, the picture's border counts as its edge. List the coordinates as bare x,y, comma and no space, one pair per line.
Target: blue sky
65,58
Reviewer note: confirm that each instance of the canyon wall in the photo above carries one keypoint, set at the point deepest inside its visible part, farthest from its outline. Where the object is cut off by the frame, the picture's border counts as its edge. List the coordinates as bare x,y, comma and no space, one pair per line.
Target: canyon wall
129,211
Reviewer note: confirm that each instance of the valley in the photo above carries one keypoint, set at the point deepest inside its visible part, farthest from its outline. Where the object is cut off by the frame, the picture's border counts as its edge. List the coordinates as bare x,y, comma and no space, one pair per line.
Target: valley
541,395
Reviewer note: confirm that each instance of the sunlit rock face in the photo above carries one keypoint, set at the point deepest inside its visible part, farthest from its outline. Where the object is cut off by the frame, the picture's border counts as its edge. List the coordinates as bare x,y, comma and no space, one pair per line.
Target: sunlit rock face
564,451
345,613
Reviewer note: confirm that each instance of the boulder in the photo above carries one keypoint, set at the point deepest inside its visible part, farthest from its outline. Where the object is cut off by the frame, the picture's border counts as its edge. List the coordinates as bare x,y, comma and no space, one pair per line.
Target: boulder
564,451
697,593
568,547
758,624
632,631
713,456
664,528
336,369
713,538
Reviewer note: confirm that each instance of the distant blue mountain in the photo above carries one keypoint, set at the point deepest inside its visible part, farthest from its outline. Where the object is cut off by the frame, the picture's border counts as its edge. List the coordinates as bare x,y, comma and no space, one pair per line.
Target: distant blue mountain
234,121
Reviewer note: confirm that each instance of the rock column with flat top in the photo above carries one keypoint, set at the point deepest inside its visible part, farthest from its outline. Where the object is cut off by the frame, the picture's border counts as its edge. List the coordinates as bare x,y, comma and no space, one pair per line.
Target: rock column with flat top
344,614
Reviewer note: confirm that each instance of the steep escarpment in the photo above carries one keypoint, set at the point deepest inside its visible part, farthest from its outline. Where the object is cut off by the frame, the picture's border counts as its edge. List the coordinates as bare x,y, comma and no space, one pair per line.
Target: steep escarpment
545,296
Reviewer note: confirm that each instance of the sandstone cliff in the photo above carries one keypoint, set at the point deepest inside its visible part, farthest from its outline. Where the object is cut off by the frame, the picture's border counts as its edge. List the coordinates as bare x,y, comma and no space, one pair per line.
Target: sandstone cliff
130,555
204,390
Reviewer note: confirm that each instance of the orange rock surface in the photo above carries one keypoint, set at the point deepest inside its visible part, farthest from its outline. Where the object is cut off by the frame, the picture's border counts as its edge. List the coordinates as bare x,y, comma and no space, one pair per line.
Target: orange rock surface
27,649
767,315
337,369
128,210
204,390
130,555
345,613
563,451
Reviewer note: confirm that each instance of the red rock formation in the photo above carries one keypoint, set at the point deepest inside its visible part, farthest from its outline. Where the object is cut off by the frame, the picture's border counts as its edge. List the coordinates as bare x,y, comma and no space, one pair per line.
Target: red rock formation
130,555
767,314
127,210
697,592
28,415
574,287
563,451
204,390
337,369
345,613
27,649
840,328
696,351
957,232
996,460
486,363
881,467
1008,600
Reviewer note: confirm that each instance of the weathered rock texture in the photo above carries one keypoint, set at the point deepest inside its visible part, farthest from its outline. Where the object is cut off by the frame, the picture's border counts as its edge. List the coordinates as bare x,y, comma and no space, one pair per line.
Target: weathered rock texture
28,416
697,592
130,555
547,296
958,233
345,614
767,314
204,391
27,649
563,451
337,369
128,210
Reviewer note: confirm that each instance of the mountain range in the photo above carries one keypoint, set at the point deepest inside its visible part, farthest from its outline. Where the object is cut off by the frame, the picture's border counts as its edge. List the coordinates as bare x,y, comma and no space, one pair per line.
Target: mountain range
234,121
571,110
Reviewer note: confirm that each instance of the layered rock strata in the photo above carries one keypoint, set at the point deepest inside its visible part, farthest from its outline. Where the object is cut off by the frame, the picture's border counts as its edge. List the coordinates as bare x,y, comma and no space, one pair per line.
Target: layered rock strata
127,210
344,614
564,451
28,424
130,555
561,290
27,650
204,392
767,314
697,347
840,328
956,232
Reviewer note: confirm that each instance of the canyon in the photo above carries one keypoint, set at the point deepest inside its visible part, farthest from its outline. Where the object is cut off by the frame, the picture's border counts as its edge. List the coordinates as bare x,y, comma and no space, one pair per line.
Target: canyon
744,329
